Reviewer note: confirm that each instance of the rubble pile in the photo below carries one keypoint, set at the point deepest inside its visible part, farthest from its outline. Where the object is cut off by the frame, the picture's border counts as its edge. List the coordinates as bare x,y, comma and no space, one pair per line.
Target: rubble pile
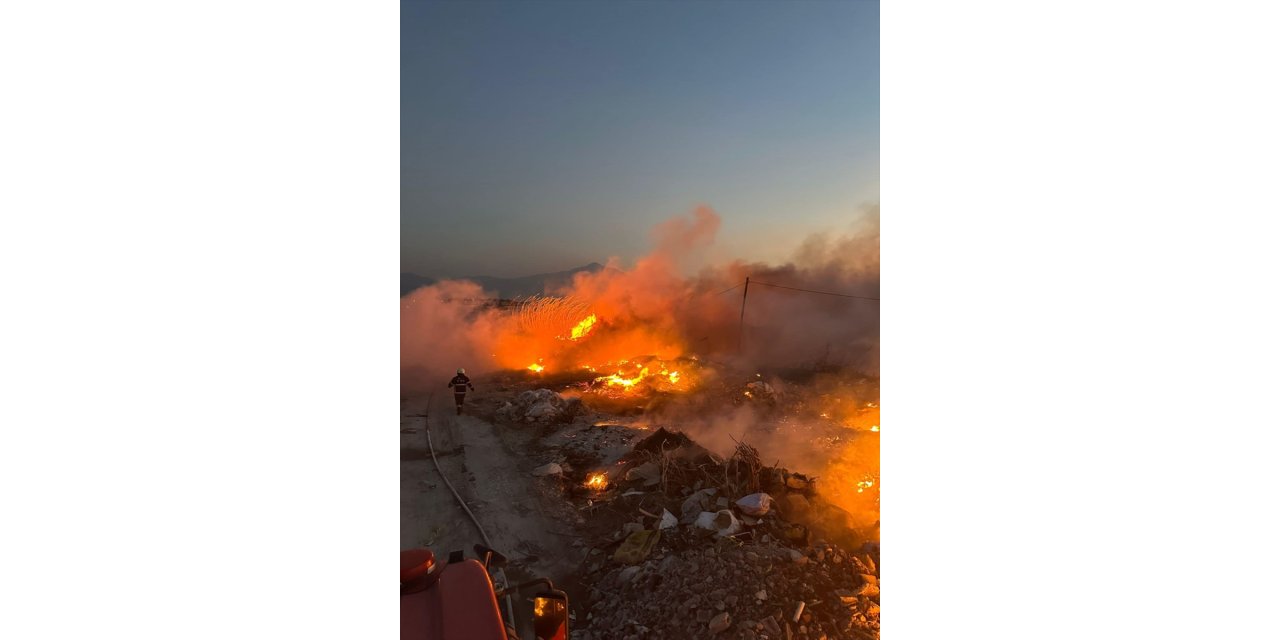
541,406
752,591
722,548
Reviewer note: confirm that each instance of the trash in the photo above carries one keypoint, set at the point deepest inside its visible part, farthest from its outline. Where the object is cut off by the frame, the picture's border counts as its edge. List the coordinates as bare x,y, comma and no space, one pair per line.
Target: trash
696,503
722,522
668,520
795,617
551,469
636,547
540,405
756,504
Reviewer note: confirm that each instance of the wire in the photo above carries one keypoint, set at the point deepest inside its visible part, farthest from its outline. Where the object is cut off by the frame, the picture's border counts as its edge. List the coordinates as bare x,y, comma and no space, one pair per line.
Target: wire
826,293
699,293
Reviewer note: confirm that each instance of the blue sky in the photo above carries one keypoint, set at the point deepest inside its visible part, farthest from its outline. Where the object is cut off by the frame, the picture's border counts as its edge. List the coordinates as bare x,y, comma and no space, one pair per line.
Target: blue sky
539,136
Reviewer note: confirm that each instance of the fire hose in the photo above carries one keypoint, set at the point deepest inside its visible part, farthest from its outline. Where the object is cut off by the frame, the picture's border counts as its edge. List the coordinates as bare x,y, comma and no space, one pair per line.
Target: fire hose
502,575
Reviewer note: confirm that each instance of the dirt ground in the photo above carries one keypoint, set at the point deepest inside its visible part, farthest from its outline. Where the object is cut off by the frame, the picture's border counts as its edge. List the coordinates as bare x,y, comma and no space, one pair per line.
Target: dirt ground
482,462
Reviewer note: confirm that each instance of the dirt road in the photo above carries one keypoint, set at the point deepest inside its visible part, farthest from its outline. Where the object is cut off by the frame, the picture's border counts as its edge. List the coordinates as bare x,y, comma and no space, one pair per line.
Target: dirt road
482,462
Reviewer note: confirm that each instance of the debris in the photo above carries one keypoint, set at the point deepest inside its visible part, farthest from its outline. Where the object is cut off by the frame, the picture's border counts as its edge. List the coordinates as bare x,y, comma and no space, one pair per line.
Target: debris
756,504
542,406
760,390
636,547
668,520
771,626
722,522
719,623
550,469
795,617
649,473
794,507
696,503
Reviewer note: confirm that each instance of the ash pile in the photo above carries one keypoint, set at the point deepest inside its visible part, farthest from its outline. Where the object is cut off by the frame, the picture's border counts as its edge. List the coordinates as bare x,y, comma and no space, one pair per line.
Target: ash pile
540,406
701,546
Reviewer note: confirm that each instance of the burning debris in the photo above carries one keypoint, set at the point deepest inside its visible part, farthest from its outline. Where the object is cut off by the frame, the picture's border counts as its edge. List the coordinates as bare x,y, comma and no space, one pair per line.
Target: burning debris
736,562
689,535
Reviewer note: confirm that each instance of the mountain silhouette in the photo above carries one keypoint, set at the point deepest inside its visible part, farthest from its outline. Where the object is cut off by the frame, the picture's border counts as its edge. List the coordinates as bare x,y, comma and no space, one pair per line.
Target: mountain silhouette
507,288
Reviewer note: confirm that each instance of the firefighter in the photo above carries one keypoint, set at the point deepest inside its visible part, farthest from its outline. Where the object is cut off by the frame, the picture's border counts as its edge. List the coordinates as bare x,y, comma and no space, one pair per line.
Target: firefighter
460,383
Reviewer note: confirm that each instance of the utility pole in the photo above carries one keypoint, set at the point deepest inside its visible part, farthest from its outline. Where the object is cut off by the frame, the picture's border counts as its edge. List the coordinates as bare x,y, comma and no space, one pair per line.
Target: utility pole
743,315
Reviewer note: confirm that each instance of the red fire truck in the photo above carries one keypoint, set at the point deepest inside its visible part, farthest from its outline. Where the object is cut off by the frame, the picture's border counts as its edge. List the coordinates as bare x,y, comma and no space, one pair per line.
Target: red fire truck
456,600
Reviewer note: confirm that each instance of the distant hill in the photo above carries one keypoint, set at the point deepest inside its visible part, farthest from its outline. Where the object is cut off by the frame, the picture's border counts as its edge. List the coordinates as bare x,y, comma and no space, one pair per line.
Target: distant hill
506,287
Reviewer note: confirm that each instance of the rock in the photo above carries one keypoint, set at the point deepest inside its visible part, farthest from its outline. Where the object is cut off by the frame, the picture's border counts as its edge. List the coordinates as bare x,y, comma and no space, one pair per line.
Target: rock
718,623
551,469
626,575
870,564
649,473
794,507
696,503
771,627
762,595
797,557
756,504
668,520
869,590
629,528
731,600
872,580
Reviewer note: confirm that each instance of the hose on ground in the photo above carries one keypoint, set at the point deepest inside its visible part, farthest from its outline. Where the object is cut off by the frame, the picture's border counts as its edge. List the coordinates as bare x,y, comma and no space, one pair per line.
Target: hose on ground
500,573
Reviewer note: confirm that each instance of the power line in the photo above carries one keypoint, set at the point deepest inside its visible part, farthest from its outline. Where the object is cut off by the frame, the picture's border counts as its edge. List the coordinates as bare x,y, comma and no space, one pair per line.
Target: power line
826,293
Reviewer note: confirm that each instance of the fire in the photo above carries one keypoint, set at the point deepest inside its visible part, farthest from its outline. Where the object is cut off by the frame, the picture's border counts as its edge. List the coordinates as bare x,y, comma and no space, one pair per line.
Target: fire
875,427
597,481
620,380
865,484
583,328
535,367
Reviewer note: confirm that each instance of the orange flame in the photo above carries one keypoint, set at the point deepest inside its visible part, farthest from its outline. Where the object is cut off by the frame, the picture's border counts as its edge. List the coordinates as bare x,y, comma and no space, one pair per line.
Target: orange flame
535,367
597,480
583,328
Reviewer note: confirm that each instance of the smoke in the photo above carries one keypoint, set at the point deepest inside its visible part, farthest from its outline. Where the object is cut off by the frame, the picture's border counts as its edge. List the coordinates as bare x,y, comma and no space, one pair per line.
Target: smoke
790,327
654,309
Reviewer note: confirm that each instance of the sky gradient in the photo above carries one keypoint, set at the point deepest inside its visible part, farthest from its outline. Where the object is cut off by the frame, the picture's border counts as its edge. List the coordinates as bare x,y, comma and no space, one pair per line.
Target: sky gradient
540,136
